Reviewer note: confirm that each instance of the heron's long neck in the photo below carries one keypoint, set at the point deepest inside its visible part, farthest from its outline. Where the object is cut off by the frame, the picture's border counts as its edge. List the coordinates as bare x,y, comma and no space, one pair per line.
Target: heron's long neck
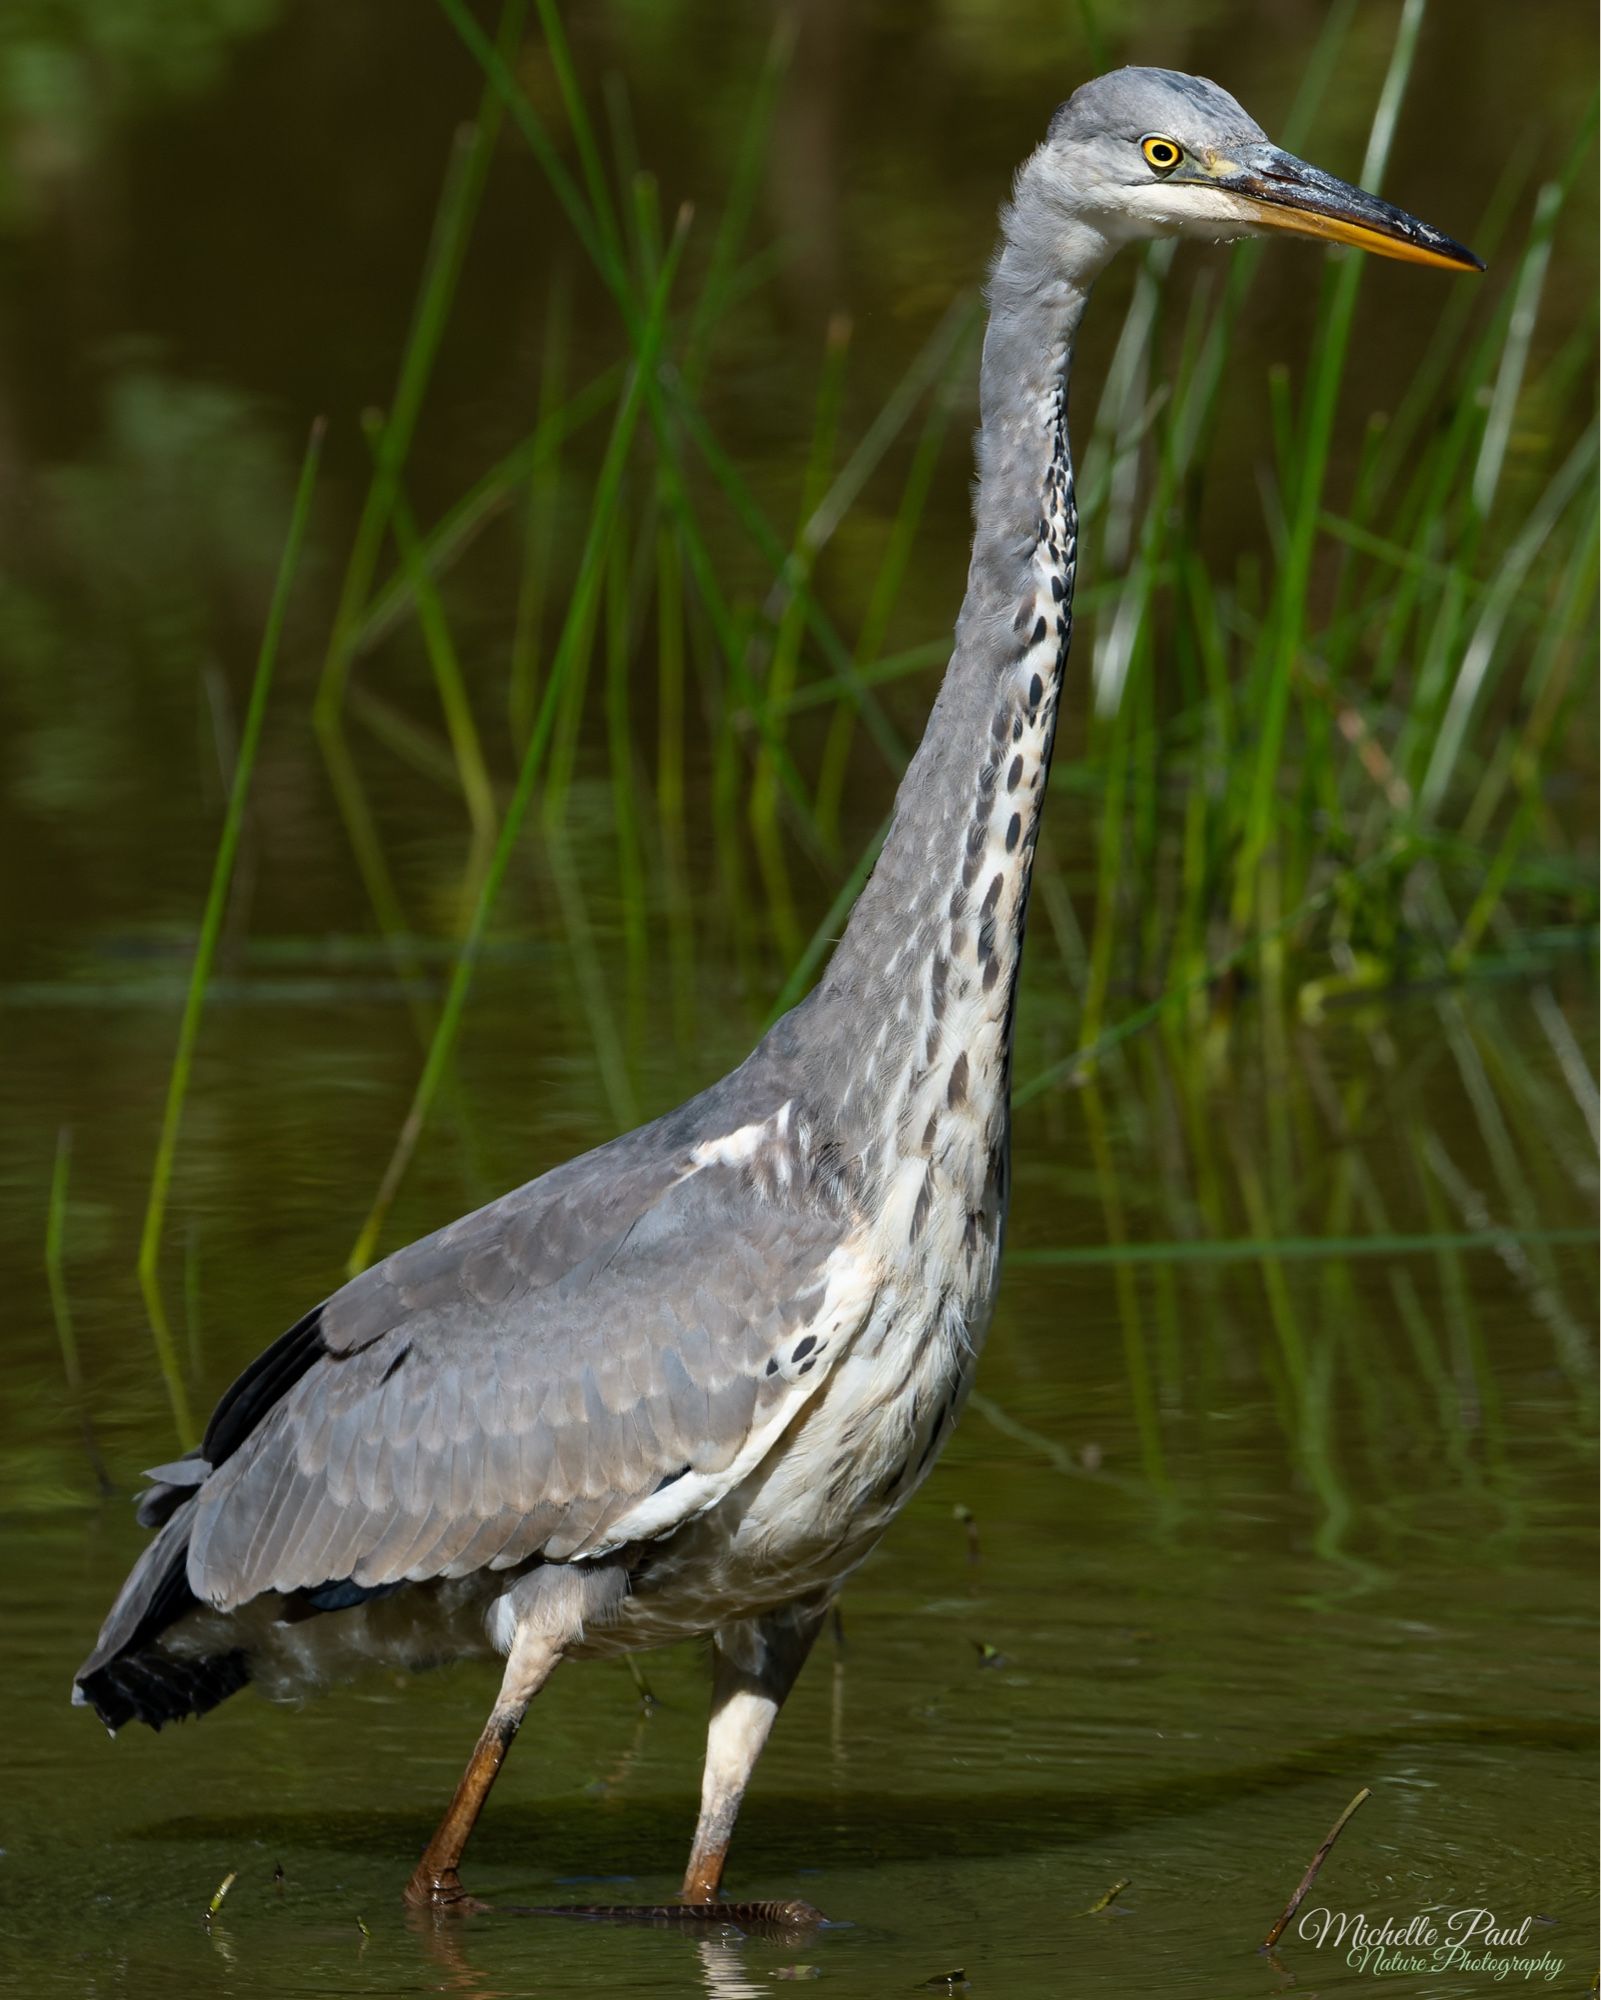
918,997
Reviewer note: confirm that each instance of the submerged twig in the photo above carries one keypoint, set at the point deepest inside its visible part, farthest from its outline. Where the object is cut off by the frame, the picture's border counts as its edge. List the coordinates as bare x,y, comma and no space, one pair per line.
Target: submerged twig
1105,1902
1313,1866
647,1701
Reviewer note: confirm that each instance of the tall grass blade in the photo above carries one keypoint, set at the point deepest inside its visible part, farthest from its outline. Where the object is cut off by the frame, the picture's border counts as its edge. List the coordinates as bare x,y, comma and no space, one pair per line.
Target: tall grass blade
1468,682
541,504
743,186
579,626
1312,446
210,927
471,152
1515,354
454,532
55,1232
476,787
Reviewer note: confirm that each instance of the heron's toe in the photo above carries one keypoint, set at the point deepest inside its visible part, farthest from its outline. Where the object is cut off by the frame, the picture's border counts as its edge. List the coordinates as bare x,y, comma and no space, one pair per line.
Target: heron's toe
441,1891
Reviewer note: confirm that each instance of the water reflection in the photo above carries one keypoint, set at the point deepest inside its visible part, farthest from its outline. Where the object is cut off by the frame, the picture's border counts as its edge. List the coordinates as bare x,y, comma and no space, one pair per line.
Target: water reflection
724,1971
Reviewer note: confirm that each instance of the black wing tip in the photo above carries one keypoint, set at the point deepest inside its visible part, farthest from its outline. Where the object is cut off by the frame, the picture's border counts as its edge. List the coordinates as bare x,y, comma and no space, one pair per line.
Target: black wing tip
271,1376
155,1689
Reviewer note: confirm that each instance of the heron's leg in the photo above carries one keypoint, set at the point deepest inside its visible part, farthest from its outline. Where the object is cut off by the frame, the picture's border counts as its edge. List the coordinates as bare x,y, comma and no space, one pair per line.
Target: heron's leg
435,1882
754,1667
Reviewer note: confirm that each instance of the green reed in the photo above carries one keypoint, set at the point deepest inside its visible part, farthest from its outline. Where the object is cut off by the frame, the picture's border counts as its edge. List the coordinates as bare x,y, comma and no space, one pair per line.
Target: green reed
55,1237
577,635
206,945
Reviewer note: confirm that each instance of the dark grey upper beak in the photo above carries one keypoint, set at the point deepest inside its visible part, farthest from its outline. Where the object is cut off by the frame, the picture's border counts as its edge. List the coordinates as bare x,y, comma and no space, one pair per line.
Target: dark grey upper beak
1290,195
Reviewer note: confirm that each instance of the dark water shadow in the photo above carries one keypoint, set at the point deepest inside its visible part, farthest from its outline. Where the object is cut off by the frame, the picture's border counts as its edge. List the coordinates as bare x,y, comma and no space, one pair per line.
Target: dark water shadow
780,1831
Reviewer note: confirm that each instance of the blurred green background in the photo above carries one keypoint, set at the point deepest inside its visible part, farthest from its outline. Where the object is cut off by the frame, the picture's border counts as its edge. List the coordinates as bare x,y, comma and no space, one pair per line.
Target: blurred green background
1279,1473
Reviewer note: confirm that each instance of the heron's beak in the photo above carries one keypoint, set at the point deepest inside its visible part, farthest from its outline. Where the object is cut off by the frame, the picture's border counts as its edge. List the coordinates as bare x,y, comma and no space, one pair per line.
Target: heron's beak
1281,192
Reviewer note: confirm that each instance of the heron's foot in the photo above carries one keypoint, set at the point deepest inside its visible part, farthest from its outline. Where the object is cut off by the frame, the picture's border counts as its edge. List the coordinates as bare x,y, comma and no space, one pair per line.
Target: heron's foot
440,1890
791,1913
787,1916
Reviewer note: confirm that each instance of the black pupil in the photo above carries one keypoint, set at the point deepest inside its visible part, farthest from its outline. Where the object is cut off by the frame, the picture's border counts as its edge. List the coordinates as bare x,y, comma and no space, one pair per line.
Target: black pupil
1162,154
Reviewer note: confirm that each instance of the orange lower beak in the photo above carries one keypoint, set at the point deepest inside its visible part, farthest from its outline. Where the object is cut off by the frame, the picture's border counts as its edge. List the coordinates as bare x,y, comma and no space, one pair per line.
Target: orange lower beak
1285,193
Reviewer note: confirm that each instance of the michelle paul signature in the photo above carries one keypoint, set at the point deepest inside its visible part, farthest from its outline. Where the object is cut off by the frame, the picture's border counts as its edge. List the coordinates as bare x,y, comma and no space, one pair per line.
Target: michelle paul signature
1468,1940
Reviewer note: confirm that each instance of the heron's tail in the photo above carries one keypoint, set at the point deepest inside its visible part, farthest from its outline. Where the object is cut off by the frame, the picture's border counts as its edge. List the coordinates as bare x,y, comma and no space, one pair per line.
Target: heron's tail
130,1677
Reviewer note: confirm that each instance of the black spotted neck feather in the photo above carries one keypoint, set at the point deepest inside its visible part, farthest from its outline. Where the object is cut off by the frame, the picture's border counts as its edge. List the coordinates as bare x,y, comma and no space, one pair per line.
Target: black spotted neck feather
912,1025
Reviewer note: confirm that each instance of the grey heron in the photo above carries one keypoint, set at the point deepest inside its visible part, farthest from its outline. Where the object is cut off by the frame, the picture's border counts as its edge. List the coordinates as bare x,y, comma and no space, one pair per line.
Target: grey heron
682,1385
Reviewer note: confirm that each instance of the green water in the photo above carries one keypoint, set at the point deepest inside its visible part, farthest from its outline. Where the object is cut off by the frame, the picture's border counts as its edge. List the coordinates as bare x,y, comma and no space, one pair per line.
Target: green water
1224,1537
1209,1637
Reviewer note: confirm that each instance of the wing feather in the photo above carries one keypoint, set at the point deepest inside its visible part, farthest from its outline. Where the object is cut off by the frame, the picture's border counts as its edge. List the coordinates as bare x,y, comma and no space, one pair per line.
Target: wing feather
465,1415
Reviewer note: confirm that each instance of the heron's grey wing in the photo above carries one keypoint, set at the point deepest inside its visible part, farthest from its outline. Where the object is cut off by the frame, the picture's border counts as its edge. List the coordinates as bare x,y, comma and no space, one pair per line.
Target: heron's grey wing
493,1417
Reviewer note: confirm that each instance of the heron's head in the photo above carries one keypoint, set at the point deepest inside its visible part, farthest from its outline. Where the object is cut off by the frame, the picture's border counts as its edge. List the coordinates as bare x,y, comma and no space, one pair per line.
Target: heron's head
1149,152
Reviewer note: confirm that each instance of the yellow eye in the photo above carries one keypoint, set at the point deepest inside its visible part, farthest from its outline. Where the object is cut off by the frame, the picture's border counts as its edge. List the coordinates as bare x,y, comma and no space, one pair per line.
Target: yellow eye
1163,155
